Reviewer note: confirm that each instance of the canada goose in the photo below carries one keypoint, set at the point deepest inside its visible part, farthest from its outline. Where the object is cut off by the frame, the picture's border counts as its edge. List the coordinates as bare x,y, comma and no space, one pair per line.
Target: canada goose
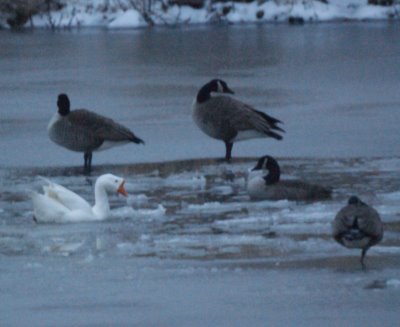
270,187
84,131
58,204
227,119
357,225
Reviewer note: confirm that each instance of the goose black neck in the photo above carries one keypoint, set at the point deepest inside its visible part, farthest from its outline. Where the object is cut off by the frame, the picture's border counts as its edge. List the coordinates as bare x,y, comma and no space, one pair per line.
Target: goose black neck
274,173
204,93
354,200
63,105
355,224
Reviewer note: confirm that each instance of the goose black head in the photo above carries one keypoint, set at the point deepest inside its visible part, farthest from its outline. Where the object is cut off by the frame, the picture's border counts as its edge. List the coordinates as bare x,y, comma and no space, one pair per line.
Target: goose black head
265,162
63,104
215,85
220,86
270,164
355,200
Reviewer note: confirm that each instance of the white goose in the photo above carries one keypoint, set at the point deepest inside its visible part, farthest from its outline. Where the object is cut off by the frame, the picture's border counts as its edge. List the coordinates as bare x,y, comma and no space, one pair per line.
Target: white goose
60,205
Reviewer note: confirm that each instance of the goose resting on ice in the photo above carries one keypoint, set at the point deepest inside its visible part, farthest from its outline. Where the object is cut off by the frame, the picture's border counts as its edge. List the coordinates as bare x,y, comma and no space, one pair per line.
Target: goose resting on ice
60,205
269,186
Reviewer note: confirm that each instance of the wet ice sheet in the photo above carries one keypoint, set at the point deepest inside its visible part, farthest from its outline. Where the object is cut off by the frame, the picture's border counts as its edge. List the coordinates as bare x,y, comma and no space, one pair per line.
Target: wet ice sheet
151,292
199,209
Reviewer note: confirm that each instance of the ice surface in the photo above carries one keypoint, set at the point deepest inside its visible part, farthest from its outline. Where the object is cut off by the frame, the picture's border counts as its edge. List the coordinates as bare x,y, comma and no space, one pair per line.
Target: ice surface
190,244
186,181
395,283
139,213
204,213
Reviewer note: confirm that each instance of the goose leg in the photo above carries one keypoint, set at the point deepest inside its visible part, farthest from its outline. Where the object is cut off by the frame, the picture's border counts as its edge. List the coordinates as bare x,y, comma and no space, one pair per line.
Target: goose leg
363,252
88,162
228,153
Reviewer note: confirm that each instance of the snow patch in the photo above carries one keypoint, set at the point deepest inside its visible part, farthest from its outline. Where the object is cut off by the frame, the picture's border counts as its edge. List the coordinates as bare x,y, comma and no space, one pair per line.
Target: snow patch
186,181
122,15
394,283
129,19
128,212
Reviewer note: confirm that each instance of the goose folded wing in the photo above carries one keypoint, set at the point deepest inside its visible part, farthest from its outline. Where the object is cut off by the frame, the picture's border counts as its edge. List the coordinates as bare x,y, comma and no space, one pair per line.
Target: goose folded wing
47,209
243,117
98,127
370,223
343,222
65,197
113,131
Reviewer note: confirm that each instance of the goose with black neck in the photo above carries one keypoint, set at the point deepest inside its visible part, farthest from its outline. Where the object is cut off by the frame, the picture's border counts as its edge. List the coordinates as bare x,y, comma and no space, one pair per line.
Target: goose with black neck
269,186
85,131
229,120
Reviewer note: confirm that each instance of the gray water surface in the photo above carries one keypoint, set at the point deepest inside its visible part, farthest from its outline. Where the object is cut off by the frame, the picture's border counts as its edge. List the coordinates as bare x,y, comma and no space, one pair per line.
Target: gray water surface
335,86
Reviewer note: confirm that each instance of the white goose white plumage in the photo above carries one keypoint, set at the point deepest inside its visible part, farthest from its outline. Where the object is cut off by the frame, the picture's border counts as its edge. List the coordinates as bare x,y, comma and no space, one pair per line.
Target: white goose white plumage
60,205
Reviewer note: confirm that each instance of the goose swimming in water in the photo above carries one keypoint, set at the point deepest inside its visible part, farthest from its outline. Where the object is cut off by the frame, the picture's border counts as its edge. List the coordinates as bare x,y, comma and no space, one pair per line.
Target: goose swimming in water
268,186
357,225
60,205
84,131
230,120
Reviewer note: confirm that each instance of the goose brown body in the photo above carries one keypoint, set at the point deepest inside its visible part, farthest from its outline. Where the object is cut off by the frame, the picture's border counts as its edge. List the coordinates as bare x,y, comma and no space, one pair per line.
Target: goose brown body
85,131
269,186
230,120
357,225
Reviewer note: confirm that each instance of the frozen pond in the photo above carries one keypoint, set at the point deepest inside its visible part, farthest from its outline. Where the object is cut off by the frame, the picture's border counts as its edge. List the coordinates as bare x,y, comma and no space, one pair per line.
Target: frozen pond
188,247
335,86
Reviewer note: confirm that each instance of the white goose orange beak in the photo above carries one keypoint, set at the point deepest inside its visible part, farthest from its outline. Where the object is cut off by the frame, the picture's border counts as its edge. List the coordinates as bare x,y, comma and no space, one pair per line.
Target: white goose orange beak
121,189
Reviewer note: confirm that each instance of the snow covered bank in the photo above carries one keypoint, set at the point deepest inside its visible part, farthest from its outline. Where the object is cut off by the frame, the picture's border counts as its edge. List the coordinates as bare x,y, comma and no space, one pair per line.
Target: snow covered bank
135,13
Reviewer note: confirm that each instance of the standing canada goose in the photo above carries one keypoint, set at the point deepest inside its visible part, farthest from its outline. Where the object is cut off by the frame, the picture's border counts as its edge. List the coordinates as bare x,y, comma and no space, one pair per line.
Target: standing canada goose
357,225
270,187
227,119
84,131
